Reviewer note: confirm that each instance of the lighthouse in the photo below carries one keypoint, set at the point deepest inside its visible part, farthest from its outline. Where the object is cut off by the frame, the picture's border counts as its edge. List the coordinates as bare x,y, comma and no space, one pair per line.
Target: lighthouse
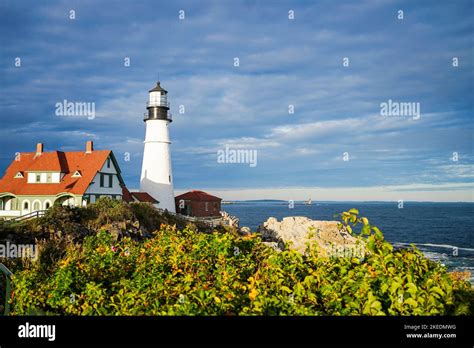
157,174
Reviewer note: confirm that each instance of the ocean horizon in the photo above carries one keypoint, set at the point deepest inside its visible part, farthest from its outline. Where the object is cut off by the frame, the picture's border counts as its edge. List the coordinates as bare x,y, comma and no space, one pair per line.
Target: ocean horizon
225,201
443,231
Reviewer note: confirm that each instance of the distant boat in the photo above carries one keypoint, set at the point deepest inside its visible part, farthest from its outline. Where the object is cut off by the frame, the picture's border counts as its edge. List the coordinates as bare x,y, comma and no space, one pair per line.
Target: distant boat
308,202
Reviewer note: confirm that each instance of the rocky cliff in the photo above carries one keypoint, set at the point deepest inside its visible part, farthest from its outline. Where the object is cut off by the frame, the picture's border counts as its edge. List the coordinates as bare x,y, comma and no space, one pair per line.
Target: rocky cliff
331,238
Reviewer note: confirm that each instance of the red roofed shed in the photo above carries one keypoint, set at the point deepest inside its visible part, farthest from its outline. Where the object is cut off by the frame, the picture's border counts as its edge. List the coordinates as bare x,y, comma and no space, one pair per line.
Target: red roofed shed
129,197
198,203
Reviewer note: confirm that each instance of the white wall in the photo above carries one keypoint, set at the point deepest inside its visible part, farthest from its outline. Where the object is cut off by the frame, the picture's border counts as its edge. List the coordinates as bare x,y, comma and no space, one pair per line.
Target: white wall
71,201
95,188
55,177
31,177
156,167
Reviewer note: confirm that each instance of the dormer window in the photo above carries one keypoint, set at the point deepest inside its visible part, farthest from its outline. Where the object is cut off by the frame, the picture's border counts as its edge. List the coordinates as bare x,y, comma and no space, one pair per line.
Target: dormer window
18,175
77,174
44,177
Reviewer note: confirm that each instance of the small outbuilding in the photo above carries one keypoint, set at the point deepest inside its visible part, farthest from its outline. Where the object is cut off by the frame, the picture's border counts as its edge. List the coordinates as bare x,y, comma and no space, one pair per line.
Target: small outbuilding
143,197
198,203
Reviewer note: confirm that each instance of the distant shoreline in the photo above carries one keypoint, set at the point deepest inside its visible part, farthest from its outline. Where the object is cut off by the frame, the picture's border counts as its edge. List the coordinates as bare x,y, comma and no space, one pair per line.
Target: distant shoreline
319,202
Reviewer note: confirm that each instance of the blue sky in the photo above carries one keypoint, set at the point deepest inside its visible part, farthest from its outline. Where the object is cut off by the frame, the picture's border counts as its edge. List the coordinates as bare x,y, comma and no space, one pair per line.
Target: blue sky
282,62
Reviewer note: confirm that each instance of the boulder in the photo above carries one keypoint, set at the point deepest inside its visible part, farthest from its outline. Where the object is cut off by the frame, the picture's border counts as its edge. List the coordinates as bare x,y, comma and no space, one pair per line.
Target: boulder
331,237
245,231
275,245
231,221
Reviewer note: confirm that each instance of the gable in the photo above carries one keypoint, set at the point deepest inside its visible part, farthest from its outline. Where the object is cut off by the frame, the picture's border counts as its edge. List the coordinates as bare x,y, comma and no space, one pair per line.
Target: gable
88,164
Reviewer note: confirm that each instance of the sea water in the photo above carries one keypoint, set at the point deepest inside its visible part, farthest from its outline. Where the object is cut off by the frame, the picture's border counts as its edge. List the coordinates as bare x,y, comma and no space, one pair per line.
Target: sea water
442,231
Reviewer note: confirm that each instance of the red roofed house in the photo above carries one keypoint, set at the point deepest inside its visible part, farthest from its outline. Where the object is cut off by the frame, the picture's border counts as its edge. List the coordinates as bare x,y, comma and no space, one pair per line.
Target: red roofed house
198,203
36,180
130,197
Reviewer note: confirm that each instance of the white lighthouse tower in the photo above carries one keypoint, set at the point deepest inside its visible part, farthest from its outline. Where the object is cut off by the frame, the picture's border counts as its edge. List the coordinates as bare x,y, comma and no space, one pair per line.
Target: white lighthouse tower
157,175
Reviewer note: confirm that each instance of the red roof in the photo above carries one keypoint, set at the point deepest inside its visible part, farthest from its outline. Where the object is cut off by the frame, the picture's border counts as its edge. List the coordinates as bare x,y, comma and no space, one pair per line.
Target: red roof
66,162
196,195
144,197
128,196
48,161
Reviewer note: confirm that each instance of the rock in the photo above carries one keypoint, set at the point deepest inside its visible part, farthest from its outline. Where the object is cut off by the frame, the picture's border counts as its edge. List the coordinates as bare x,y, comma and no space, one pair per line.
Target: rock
275,245
136,224
115,229
115,232
331,238
143,232
232,221
245,231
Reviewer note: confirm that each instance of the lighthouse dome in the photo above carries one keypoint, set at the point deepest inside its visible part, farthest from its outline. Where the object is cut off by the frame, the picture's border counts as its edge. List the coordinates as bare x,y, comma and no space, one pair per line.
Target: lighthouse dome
158,88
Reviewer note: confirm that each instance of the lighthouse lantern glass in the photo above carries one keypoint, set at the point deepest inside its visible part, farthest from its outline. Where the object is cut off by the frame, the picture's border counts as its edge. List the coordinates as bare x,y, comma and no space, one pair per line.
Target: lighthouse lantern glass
157,99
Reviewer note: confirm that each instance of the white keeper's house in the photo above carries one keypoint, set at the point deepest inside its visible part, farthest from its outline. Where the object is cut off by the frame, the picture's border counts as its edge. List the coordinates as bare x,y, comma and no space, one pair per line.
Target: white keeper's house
35,181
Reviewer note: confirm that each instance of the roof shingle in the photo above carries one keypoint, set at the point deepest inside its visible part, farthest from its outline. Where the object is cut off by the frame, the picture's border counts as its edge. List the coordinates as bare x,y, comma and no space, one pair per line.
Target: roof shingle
197,195
66,162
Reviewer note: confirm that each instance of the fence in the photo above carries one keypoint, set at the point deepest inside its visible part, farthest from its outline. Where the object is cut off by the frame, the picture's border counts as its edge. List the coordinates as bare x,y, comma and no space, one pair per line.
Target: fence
33,215
211,221
5,289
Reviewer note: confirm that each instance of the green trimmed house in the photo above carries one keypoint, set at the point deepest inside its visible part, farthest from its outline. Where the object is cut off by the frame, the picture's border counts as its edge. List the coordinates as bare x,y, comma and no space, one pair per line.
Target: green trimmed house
35,181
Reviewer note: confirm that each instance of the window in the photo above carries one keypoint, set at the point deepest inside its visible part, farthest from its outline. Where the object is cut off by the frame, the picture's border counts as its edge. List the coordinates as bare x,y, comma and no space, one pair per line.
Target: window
36,206
49,177
38,177
207,206
108,162
169,178
104,177
163,100
18,175
77,174
47,205
25,205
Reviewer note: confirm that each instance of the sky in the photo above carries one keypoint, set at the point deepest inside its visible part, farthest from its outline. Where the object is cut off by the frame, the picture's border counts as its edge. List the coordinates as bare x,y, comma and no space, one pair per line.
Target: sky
305,96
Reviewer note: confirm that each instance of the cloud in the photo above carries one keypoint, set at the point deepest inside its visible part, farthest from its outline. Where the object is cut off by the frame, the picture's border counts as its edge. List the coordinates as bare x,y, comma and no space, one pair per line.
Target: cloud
282,63
419,193
464,171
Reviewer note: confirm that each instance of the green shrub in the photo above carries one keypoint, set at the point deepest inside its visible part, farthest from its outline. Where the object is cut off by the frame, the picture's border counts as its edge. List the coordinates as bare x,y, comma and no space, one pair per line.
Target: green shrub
107,210
183,272
60,218
150,218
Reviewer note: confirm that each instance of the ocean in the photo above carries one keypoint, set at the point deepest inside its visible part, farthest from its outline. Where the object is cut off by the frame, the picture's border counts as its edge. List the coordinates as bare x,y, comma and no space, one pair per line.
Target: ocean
442,231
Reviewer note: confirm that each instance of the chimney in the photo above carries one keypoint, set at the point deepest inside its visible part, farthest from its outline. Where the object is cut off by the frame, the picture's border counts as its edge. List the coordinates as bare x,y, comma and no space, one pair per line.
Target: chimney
89,146
39,149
